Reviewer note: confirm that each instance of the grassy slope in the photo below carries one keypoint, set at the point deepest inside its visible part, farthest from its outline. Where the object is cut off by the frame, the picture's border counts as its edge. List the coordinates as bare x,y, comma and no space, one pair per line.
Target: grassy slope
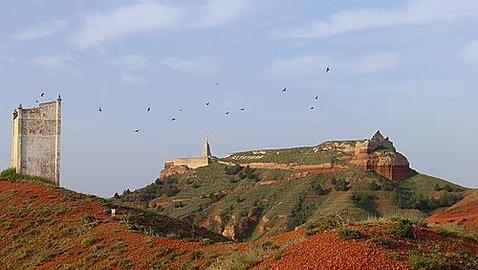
43,226
286,202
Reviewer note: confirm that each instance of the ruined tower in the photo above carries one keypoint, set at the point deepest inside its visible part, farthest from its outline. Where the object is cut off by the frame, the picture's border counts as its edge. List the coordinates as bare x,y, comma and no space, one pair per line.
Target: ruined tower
207,149
36,140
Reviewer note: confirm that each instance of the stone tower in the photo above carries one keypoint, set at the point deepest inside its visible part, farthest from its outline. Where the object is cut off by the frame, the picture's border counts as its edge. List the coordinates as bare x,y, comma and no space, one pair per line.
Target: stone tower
36,140
207,149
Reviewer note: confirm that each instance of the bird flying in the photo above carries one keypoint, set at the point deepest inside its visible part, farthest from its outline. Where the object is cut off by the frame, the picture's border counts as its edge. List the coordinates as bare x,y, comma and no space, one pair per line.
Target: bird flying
173,119
242,109
136,131
149,109
208,103
42,94
328,69
284,90
227,113
100,109
316,97
312,107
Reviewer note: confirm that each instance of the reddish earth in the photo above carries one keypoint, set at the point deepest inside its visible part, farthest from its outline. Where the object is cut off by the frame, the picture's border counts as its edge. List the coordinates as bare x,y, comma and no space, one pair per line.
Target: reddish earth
463,214
324,250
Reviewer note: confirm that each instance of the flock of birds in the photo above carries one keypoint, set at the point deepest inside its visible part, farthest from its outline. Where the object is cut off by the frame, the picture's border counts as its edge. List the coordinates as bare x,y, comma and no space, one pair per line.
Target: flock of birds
208,104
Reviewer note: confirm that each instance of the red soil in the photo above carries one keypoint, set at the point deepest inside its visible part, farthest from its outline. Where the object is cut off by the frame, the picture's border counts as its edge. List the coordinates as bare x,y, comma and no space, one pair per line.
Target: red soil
321,251
326,251
463,214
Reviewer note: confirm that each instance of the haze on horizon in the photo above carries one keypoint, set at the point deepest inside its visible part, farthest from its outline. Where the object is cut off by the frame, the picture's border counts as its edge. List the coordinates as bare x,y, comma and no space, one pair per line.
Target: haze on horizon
408,68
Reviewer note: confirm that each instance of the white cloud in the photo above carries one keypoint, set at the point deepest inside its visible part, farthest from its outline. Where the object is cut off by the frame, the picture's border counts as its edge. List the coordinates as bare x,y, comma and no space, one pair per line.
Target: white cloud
376,63
300,65
219,12
202,67
41,30
53,62
100,28
132,78
415,12
470,51
131,62
9,59
315,65
122,22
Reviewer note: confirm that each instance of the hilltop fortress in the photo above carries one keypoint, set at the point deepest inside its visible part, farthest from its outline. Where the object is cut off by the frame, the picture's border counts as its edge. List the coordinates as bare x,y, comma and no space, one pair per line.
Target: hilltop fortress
376,154
36,140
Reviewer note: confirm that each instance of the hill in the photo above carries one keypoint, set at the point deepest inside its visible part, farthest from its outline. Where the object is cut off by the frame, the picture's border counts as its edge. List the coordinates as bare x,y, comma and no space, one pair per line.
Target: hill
261,193
45,227
462,214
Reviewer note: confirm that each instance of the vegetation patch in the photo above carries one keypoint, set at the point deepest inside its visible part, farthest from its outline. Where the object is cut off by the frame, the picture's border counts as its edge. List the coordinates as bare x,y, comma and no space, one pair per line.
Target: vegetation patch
347,233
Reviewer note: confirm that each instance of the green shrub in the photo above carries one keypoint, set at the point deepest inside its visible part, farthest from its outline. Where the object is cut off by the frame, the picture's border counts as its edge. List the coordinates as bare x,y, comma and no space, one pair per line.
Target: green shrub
88,242
8,224
382,241
126,264
317,188
374,186
404,228
269,245
233,170
244,260
328,223
364,201
340,184
197,254
350,234
88,220
430,262
393,255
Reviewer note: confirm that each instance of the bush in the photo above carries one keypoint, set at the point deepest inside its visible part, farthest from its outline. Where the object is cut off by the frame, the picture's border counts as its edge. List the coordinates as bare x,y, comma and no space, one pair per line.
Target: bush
88,242
269,245
197,254
364,201
431,262
382,241
350,234
340,184
233,170
374,186
325,224
88,220
245,260
317,188
403,229
388,186
248,173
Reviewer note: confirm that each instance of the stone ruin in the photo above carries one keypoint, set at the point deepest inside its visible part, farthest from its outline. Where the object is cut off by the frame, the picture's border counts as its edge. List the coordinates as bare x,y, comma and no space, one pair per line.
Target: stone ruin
36,140
182,165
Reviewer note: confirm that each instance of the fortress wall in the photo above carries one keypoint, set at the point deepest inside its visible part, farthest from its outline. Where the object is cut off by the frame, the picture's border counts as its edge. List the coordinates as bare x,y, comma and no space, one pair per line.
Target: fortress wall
193,163
36,141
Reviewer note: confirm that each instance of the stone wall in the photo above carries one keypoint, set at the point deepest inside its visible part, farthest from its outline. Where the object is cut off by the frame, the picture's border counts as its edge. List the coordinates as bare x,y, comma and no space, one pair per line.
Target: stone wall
192,163
36,141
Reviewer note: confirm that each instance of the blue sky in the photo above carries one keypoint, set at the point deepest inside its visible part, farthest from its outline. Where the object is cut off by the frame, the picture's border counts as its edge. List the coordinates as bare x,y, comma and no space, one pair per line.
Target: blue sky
408,68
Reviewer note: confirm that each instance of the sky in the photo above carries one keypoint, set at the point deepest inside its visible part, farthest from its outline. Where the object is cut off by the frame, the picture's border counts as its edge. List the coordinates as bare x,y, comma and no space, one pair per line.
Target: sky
408,68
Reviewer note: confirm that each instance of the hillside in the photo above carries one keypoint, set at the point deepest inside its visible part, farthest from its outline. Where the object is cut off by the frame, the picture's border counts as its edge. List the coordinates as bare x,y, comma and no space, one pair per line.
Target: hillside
261,193
44,227
462,214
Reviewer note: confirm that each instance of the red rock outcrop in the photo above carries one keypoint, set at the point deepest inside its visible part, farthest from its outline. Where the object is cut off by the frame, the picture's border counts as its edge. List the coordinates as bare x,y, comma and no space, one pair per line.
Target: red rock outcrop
391,165
171,169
